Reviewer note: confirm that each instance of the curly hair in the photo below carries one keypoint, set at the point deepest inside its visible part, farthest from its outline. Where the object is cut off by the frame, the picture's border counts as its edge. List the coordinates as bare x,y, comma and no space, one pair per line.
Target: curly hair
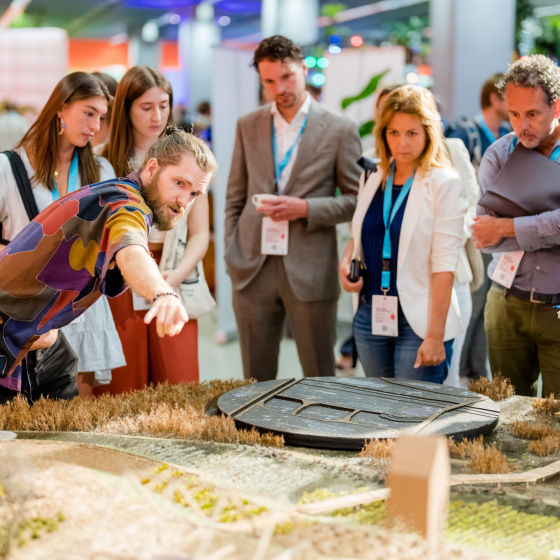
277,47
533,72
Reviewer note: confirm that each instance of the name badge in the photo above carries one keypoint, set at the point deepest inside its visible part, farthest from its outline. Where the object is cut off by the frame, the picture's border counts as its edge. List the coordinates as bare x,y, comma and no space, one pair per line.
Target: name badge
504,273
140,303
384,315
274,237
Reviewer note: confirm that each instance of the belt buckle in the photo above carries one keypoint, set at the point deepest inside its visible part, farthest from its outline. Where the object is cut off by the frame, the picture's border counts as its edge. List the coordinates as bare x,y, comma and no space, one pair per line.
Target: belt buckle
532,299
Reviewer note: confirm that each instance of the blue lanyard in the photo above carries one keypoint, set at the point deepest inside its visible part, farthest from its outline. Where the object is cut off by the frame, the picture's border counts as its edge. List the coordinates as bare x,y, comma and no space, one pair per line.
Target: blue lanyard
388,217
555,155
72,177
479,120
279,167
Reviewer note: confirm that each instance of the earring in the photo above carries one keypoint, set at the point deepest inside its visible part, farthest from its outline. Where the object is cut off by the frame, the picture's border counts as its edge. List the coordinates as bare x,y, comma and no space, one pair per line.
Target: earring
62,126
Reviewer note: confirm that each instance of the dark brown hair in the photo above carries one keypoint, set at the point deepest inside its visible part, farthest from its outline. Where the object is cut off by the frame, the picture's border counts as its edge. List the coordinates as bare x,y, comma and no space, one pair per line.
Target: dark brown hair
490,86
386,90
137,81
277,47
111,85
42,140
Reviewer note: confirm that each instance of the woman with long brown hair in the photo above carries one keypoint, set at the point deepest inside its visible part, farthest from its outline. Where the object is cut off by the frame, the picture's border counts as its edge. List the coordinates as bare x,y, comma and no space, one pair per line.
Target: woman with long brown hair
58,159
408,232
141,114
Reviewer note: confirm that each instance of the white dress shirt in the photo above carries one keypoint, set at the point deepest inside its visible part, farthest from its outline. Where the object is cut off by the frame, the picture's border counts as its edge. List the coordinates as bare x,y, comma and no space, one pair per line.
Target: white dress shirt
286,134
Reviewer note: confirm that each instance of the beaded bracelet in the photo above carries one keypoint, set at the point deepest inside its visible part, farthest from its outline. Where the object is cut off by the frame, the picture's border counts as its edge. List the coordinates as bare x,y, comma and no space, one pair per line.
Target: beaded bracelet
166,294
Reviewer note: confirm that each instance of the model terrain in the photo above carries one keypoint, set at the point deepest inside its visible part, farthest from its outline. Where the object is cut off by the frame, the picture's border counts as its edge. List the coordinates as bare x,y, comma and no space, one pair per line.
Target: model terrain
157,474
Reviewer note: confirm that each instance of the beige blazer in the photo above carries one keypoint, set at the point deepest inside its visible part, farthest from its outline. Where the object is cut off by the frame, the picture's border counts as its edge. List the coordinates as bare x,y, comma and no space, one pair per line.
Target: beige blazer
326,159
431,241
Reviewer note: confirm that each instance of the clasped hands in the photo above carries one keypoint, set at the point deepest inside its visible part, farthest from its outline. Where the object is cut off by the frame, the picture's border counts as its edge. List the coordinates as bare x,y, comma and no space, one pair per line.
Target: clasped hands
284,208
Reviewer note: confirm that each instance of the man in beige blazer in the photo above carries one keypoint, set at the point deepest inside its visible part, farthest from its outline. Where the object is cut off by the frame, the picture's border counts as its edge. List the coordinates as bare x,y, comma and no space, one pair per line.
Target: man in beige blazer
316,152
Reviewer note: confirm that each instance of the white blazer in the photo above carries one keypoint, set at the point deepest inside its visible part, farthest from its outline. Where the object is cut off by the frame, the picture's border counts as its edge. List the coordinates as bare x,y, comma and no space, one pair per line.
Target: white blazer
431,241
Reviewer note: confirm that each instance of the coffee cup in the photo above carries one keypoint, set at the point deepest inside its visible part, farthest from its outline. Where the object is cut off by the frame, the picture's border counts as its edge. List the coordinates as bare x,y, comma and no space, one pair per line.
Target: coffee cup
259,198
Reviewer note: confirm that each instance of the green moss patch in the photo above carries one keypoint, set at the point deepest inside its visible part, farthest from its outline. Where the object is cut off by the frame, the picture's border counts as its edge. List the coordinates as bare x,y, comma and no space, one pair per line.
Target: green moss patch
486,525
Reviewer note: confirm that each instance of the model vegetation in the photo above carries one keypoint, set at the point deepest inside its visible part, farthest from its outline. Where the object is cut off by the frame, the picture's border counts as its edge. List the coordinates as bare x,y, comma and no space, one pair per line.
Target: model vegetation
202,498
483,459
18,524
503,529
545,437
498,389
546,407
378,449
487,525
182,411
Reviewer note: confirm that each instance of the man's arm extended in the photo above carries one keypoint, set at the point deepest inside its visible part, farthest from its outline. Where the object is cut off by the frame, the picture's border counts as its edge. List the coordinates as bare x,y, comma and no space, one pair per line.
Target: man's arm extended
143,276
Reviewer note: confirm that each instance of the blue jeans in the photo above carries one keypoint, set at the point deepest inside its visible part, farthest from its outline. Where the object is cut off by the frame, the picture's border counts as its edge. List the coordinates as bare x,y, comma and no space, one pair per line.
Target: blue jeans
387,356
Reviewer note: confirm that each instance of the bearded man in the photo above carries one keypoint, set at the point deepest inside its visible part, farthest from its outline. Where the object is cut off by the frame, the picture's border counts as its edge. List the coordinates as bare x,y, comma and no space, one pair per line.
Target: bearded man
94,241
523,234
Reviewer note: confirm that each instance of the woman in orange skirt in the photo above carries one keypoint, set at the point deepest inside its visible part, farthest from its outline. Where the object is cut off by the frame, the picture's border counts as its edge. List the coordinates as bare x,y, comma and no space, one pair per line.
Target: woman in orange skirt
141,112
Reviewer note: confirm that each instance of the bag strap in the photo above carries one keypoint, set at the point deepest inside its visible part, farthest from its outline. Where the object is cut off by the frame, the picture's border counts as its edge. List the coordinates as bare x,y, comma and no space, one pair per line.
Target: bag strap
2,240
24,186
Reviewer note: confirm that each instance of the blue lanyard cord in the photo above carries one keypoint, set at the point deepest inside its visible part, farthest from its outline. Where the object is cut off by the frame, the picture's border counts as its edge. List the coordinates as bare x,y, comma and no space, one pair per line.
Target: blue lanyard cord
555,155
72,177
479,120
388,217
279,167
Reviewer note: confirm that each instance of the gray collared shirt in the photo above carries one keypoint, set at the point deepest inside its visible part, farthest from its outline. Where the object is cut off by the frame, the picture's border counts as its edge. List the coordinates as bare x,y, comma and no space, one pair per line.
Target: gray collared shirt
538,236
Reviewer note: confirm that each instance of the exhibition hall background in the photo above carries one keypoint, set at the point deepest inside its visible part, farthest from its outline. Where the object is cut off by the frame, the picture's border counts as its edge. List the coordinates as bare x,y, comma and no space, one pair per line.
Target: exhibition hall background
205,50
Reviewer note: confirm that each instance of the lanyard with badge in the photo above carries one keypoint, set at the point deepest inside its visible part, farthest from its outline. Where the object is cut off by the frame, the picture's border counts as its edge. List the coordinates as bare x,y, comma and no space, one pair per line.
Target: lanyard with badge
508,263
274,235
384,309
72,178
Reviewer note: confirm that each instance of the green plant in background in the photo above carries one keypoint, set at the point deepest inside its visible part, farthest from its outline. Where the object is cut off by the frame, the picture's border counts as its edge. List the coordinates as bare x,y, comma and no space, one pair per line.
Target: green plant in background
523,11
331,11
29,20
367,127
548,42
413,36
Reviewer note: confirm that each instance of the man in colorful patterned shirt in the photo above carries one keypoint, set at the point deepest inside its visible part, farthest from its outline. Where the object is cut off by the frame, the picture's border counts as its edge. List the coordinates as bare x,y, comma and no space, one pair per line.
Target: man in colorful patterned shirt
94,241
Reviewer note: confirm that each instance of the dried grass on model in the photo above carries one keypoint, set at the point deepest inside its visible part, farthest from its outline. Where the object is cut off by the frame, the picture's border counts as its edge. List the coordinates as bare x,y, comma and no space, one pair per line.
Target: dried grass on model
165,410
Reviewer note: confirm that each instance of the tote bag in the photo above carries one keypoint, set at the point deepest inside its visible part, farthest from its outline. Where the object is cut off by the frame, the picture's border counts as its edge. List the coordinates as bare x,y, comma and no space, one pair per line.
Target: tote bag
194,292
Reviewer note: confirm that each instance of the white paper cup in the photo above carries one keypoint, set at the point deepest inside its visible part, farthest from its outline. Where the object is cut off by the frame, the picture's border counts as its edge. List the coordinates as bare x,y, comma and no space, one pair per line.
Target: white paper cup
258,198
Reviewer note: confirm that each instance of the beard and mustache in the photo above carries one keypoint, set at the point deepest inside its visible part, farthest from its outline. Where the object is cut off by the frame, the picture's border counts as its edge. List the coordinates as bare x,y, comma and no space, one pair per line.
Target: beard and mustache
162,219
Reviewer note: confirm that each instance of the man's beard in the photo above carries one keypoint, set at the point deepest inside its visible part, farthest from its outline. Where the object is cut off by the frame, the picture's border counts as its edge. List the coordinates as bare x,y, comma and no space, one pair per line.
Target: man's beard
162,219
530,142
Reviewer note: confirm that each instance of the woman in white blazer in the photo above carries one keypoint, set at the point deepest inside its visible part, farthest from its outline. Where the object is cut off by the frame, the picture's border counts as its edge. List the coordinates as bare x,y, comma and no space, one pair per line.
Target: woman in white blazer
408,233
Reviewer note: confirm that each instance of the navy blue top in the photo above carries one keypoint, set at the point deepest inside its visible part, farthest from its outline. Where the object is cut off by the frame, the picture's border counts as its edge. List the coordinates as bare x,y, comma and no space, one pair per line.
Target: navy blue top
373,232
